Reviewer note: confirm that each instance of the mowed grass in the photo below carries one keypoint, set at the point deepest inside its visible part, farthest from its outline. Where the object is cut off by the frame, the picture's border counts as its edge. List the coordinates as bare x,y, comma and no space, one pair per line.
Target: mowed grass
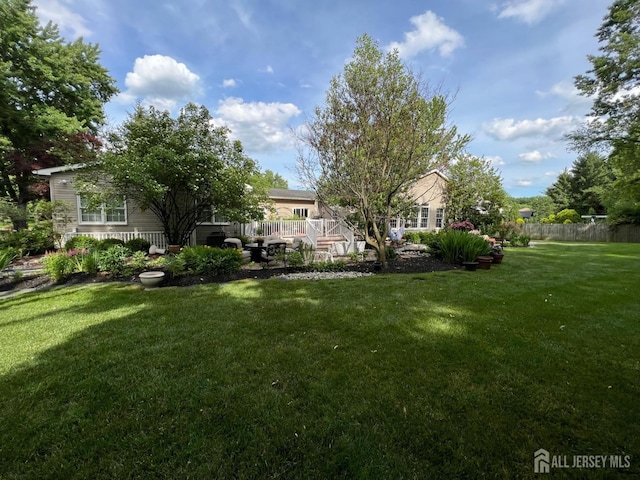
439,375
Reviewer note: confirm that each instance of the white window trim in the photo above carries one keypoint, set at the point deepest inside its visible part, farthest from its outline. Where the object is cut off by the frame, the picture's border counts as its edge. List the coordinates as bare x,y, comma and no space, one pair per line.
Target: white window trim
103,214
293,211
212,222
441,209
420,217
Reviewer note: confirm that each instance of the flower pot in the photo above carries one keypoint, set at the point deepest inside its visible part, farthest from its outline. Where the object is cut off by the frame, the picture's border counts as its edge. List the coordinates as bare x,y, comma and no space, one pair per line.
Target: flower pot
484,262
497,257
470,266
151,279
174,248
377,266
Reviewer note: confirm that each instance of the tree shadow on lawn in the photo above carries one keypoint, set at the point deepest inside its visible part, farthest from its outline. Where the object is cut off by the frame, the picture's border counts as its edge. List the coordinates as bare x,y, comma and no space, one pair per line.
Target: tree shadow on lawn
252,380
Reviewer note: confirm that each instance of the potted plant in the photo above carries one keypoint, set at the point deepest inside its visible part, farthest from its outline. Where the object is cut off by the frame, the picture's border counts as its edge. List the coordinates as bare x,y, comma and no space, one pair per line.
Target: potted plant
259,239
471,249
497,253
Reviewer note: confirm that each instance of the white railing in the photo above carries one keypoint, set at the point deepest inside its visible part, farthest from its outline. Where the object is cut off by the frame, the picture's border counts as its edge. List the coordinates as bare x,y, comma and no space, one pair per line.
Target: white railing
154,238
310,229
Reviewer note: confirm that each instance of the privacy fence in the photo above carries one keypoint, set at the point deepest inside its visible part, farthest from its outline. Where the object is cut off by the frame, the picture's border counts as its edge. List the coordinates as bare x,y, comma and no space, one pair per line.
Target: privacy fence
583,232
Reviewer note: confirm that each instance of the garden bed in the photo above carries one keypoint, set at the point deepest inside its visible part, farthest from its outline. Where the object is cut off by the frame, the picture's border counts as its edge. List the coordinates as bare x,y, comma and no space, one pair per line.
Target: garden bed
402,264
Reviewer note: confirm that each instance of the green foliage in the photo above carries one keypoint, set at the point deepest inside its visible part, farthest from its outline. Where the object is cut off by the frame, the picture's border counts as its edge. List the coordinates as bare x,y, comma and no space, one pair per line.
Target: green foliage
81,242
390,252
138,245
114,260
35,241
90,262
295,259
107,243
568,216
379,132
456,246
59,266
201,259
430,239
474,192
507,229
179,169
412,237
7,256
519,241
172,264
52,94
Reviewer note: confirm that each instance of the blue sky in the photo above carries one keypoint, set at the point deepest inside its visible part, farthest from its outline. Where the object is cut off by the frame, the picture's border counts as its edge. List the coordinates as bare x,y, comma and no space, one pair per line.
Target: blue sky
261,66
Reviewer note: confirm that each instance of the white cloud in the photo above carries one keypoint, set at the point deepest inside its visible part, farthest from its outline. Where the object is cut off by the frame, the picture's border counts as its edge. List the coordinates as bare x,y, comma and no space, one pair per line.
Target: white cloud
229,83
259,126
535,156
527,11
550,174
510,129
430,33
267,69
68,21
160,81
524,183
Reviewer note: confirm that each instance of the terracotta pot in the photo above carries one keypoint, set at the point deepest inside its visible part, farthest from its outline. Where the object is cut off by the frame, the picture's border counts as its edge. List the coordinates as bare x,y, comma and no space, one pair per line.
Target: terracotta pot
497,257
484,262
174,248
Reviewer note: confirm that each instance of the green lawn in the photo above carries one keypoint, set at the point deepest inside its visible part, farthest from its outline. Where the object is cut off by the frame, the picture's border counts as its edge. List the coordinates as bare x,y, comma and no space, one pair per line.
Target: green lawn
441,375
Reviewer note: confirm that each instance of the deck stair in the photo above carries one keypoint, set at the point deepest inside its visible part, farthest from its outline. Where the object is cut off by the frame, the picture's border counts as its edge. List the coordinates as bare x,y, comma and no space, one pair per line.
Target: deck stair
325,244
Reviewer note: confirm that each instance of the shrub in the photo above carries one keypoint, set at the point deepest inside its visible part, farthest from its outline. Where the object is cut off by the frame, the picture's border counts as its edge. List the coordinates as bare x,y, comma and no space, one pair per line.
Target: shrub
6,257
138,261
294,259
138,245
507,229
37,240
114,260
80,242
456,246
520,241
107,243
390,252
201,259
412,237
90,261
568,216
59,266
173,264
428,238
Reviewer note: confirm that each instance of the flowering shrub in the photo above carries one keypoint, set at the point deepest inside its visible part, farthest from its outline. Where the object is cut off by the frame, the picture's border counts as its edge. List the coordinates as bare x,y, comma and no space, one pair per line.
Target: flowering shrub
465,225
59,265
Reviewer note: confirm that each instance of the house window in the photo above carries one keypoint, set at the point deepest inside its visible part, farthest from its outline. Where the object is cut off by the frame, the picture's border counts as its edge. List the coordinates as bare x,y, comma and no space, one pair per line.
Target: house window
301,212
411,223
113,213
209,217
393,223
439,217
424,216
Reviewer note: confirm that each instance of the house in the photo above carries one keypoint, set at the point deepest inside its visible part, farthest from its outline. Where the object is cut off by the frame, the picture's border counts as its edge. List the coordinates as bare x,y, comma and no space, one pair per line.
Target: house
429,195
126,220
293,213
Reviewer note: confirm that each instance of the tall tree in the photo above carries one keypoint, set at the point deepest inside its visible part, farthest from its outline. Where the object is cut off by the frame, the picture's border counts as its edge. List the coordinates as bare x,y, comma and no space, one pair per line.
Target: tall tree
591,177
614,84
379,131
51,98
474,192
561,191
273,180
180,169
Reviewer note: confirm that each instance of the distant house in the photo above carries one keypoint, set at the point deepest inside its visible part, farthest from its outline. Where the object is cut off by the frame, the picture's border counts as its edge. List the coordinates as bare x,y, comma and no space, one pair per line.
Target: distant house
126,220
429,194
526,213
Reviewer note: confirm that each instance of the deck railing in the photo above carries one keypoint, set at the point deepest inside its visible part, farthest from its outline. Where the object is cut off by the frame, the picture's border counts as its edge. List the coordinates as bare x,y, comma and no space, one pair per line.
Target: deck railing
154,238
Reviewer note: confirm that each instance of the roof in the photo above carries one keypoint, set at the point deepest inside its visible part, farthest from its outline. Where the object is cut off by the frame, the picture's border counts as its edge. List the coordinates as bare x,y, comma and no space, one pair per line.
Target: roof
284,194
47,172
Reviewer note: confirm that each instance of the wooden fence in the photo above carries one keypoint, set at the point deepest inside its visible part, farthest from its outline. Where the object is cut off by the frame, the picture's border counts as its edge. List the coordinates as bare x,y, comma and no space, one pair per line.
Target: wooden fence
583,232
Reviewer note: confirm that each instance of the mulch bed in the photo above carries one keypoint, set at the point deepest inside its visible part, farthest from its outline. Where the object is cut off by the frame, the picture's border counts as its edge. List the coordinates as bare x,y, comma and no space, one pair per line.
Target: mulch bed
401,264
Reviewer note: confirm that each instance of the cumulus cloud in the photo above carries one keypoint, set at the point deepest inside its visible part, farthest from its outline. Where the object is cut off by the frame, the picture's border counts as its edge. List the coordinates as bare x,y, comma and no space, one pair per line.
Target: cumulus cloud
527,11
430,33
160,81
510,129
229,83
58,13
261,127
534,156
524,183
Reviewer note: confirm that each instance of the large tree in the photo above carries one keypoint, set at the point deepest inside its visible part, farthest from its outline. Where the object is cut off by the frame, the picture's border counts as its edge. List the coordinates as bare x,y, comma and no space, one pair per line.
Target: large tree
474,192
614,84
379,131
180,169
51,98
